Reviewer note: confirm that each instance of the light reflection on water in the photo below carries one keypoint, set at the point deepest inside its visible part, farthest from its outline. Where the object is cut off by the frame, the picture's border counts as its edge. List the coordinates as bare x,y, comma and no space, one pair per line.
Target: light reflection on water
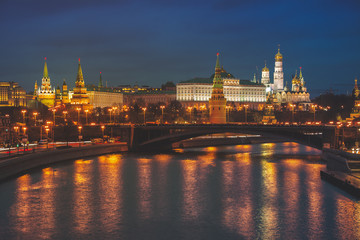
247,191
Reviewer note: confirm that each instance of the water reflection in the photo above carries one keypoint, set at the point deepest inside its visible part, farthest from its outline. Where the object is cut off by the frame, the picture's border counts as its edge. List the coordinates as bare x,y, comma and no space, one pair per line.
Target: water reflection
254,191
83,194
144,187
110,191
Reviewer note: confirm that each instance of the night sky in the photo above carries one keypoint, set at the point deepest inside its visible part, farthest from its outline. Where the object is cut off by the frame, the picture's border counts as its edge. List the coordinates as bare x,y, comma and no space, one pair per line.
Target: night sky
152,42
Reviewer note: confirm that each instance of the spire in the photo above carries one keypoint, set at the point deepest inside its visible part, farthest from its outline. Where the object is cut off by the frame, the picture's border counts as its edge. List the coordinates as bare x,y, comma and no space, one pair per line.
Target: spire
356,90
64,83
300,74
79,78
100,82
217,61
46,74
254,79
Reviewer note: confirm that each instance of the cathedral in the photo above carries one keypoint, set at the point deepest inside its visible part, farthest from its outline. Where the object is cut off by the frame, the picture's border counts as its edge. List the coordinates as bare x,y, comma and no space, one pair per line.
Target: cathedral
283,95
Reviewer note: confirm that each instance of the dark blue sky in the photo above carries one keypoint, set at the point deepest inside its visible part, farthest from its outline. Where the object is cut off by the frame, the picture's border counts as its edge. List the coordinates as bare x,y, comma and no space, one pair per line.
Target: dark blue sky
151,42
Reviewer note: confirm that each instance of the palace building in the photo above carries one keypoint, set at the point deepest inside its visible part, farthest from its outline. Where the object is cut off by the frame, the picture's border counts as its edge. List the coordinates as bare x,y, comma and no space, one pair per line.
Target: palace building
11,94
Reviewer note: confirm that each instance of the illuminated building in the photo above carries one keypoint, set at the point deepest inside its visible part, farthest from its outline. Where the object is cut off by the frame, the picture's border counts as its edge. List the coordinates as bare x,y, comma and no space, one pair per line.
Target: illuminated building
11,94
198,91
265,78
65,93
269,114
217,102
100,96
80,96
57,96
151,97
355,112
45,94
278,72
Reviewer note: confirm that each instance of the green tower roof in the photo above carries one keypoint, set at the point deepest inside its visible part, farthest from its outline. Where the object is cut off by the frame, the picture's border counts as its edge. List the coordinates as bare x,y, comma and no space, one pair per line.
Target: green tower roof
46,74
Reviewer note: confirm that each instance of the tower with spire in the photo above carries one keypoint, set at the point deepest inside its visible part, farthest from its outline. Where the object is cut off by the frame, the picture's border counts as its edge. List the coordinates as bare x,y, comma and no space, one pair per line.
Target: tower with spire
65,93
45,94
355,112
100,85
80,96
265,78
217,102
278,73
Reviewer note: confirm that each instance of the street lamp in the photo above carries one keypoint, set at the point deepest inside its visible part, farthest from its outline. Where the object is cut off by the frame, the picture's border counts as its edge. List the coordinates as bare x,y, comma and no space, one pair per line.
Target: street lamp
162,113
24,129
314,109
35,114
190,109
144,109
23,112
246,107
80,137
86,113
54,111
228,113
78,109
292,112
110,110
102,130
65,112
114,109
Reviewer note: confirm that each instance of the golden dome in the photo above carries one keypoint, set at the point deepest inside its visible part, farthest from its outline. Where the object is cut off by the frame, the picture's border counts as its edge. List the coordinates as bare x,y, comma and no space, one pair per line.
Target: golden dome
265,69
278,56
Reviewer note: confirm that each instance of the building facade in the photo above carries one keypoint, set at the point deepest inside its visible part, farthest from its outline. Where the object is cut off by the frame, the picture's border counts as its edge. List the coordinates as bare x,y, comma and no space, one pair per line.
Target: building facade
11,94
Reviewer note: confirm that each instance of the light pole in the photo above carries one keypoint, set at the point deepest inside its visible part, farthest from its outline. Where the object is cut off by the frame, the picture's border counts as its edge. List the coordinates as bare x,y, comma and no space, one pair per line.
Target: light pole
246,107
144,109
54,111
80,137
114,109
86,113
24,130
190,109
35,114
102,130
23,112
110,110
292,112
78,109
228,113
162,113
65,112
314,108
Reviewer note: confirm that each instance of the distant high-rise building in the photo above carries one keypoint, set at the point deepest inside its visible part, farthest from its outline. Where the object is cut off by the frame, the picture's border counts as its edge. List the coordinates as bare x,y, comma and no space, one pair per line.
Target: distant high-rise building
217,102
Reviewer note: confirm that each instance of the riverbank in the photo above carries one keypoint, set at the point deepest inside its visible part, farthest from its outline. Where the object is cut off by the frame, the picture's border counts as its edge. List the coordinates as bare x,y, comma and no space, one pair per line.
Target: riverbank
21,164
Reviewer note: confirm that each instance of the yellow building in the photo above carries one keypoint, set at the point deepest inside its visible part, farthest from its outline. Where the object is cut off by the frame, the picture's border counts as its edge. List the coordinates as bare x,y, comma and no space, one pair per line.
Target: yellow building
217,102
80,96
45,94
11,94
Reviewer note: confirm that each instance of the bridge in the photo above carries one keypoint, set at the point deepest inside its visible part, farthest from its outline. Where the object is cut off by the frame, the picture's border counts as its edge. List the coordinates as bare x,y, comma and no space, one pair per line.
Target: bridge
161,137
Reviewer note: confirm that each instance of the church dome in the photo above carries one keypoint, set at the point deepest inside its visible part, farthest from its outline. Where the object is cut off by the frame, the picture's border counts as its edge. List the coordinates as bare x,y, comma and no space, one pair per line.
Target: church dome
265,69
278,56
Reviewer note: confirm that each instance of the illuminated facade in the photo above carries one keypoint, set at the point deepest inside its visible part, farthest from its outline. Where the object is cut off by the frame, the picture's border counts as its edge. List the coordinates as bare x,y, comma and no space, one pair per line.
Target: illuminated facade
80,96
65,93
11,94
235,90
217,102
278,72
355,112
45,94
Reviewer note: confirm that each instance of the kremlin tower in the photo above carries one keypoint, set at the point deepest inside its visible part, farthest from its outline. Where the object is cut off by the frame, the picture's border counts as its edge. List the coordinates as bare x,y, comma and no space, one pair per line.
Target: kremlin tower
65,93
355,112
45,94
265,78
278,73
80,96
217,102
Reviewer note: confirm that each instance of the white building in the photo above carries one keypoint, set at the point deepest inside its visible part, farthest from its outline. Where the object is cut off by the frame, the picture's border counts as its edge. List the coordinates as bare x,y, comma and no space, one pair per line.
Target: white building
235,90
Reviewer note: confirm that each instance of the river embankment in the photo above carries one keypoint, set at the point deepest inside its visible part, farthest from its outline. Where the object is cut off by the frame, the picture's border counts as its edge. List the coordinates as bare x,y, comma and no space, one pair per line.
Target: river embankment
21,164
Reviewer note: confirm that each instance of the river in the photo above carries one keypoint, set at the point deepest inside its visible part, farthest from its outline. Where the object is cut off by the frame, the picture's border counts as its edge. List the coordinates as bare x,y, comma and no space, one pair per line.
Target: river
261,191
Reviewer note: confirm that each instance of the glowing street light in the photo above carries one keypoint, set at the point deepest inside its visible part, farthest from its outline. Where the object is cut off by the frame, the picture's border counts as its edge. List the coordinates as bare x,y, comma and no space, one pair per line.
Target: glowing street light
246,107
114,109
292,112
65,119
162,113
102,130
35,114
80,137
24,129
23,112
110,110
144,109
314,109
190,109
86,114
78,109
54,111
